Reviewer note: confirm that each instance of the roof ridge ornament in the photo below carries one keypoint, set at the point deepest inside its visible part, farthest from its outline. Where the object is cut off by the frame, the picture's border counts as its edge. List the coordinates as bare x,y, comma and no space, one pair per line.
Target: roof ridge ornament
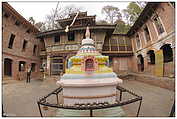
67,27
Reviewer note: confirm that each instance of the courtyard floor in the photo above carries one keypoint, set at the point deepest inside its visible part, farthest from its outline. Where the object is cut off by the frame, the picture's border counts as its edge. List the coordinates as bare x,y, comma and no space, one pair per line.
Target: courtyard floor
20,98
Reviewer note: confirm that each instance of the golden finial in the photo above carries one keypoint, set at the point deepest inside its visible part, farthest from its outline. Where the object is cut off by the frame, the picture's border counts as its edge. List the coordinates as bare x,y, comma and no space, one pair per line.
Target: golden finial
87,34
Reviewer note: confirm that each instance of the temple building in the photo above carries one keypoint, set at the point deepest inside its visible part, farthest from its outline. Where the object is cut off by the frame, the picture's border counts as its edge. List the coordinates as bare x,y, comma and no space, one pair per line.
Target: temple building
147,48
61,45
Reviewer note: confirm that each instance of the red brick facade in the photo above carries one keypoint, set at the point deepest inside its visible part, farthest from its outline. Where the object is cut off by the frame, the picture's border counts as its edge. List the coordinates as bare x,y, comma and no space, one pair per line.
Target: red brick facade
17,53
166,13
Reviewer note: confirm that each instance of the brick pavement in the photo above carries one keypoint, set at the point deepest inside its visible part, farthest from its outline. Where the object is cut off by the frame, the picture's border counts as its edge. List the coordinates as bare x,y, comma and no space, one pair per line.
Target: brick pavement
19,99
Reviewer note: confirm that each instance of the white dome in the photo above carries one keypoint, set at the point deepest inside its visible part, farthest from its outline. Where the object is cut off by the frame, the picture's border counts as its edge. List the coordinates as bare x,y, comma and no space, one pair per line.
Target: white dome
87,41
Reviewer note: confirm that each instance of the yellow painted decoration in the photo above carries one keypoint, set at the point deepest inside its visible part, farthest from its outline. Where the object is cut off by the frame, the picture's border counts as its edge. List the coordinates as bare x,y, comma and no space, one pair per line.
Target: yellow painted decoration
159,63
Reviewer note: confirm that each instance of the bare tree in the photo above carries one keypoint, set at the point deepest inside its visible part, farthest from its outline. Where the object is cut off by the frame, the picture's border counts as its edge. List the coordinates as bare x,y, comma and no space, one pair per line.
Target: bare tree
112,13
60,13
70,10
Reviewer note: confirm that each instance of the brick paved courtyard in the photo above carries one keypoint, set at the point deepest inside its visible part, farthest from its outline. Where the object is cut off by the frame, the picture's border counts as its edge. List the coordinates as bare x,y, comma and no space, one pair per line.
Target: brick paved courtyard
19,98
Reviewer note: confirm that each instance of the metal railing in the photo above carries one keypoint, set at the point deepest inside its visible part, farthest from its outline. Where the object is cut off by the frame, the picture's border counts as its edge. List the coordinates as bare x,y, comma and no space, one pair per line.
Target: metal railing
43,102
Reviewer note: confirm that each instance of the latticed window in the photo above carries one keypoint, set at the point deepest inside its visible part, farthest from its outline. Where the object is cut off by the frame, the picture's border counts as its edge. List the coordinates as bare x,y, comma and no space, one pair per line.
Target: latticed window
129,44
114,45
158,24
122,44
119,43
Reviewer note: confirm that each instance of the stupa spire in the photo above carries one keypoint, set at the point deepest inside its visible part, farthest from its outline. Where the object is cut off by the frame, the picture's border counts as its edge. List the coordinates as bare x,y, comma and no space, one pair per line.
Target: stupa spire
87,34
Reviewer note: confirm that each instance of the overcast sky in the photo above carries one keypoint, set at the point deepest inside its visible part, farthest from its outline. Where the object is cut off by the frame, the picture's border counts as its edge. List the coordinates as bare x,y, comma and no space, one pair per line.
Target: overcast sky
38,10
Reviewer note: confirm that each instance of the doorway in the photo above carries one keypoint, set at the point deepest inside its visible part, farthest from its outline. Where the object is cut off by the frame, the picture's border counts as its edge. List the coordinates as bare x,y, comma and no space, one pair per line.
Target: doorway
7,67
140,63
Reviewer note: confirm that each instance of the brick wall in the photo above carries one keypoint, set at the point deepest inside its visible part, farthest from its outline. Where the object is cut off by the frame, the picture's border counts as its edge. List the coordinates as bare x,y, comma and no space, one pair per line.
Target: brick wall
166,12
16,54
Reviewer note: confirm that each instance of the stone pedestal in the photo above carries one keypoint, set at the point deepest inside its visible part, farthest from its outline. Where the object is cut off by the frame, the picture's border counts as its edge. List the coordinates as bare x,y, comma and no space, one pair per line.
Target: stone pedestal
108,112
81,91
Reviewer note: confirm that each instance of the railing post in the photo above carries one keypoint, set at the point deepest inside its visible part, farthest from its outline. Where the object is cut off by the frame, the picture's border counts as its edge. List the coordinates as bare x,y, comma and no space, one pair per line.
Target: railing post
57,99
139,108
40,109
91,113
120,95
172,110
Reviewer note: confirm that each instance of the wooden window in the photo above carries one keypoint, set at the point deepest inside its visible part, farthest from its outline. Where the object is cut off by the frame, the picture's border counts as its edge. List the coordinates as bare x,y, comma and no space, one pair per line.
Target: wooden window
57,38
137,41
34,49
129,44
146,32
158,24
24,45
71,36
11,41
114,45
121,44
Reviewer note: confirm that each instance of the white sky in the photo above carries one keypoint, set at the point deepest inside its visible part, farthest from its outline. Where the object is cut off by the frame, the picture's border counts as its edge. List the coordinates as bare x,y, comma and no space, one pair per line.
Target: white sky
39,10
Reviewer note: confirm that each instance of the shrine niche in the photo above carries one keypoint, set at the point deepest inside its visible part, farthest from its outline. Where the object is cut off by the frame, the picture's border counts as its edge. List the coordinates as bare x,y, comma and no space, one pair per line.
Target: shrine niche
89,65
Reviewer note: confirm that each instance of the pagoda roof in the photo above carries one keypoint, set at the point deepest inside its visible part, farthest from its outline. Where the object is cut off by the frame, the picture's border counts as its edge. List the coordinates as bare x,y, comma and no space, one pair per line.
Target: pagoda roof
77,28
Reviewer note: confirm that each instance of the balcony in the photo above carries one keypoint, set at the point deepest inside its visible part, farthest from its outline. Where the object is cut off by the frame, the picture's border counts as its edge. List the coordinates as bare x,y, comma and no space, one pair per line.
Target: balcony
63,47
